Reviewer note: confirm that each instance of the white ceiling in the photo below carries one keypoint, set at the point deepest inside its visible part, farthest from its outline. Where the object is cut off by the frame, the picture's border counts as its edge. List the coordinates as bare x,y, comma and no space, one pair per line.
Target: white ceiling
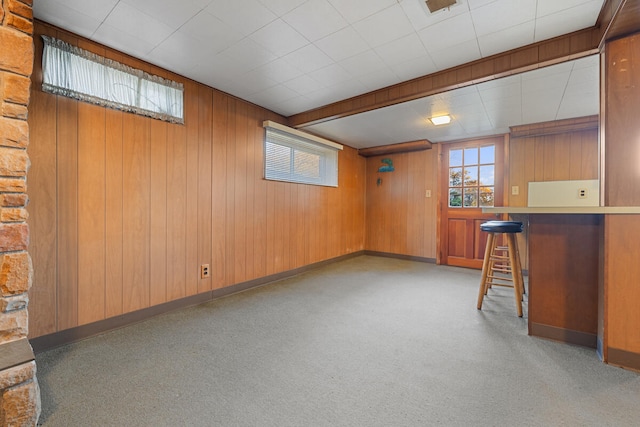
294,55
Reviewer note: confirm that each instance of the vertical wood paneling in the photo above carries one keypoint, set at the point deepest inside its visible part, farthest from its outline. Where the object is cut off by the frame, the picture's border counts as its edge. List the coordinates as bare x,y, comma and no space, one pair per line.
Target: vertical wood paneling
147,202
42,212
114,213
136,212
91,213
158,220
190,132
176,212
67,221
239,231
219,190
205,117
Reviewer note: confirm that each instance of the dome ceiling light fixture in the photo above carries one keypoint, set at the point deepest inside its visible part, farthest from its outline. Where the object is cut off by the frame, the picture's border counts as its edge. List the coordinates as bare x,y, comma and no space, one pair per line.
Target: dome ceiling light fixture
440,120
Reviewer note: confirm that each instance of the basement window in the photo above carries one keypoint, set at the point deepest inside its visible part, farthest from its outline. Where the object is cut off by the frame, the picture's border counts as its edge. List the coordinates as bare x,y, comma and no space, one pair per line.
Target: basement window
294,156
76,73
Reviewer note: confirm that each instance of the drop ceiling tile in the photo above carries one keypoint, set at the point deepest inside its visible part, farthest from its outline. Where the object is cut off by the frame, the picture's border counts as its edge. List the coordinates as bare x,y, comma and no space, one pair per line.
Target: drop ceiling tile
385,26
281,7
449,33
249,54
279,38
401,50
119,40
507,39
354,11
178,49
547,7
65,17
245,16
280,70
567,20
363,63
211,30
474,4
414,68
97,9
315,19
303,84
421,17
496,93
172,13
141,26
342,44
330,75
273,96
308,58
562,68
511,13
380,78
455,55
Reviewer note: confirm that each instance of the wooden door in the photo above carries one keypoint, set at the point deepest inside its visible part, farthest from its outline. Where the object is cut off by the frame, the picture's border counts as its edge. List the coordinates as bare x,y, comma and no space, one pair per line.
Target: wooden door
472,177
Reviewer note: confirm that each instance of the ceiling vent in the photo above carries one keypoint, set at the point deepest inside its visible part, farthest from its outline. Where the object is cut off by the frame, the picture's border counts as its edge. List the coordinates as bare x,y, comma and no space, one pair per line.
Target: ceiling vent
436,5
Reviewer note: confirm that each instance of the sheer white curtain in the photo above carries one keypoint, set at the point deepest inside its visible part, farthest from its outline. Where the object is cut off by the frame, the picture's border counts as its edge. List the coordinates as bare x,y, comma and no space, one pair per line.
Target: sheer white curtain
77,73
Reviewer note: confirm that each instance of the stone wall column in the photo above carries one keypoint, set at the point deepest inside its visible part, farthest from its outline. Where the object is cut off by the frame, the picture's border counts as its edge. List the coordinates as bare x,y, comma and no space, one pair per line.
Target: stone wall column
19,392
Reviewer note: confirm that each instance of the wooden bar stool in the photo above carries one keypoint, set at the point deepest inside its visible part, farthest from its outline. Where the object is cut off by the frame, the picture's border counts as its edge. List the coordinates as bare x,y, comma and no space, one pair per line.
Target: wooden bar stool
501,266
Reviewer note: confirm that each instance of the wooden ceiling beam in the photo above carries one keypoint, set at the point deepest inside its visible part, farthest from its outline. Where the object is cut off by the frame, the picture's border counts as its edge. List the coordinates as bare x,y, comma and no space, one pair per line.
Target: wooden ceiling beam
553,51
402,147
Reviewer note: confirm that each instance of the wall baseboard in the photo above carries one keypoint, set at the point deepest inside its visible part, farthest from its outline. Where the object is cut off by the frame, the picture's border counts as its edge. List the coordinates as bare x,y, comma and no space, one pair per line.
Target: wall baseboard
624,359
563,335
68,336
399,256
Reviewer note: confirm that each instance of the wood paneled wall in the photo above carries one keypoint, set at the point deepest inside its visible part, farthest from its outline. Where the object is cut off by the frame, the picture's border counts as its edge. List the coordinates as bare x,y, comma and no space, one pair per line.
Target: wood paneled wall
124,209
542,155
400,219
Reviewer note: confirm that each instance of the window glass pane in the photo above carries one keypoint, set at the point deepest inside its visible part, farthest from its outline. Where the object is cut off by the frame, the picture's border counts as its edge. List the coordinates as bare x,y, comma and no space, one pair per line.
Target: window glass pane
470,197
487,154
279,158
455,197
455,158
470,156
486,196
487,175
470,176
455,177
306,164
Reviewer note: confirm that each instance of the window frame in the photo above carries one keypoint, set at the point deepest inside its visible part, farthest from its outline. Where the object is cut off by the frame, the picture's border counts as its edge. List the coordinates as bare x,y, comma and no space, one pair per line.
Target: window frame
298,141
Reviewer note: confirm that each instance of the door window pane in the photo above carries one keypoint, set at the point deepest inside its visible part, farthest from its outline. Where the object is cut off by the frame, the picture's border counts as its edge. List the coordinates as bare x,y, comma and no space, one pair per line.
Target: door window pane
486,197
487,154
455,197
470,176
470,156
470,197
487,175
455,177
455,158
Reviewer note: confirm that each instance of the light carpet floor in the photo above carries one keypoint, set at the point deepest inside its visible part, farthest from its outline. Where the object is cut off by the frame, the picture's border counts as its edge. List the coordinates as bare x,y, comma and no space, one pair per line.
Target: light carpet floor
368,341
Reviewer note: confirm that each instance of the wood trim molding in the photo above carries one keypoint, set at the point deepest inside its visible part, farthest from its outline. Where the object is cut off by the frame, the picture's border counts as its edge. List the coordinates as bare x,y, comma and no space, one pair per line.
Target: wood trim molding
67,336
624,359
555,127
563,335
549,52
618,18
402,147
400,256
14,353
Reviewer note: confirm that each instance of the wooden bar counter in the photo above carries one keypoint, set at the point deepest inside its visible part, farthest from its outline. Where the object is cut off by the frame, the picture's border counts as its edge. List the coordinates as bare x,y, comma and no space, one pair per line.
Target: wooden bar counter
566,271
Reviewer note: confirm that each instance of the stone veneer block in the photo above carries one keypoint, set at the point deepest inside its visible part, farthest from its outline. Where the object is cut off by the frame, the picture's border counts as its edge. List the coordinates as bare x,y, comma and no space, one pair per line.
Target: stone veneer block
15,88
13,200
20,8
14,111
14,237
13,185
17,302
13,215
16,51
17,374
19,23
13,162
15,133
13,326
15,273
20,405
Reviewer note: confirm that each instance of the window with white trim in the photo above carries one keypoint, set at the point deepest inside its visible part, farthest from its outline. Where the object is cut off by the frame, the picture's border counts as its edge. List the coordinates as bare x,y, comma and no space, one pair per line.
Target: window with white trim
294,156
82,75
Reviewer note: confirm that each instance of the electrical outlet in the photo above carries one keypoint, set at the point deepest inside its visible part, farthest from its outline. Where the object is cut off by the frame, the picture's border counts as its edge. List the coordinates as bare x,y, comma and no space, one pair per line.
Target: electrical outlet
427,193
204,271
515,190
582,193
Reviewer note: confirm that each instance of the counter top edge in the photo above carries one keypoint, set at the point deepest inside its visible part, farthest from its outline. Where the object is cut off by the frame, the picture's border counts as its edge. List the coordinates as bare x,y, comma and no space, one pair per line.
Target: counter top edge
607,210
